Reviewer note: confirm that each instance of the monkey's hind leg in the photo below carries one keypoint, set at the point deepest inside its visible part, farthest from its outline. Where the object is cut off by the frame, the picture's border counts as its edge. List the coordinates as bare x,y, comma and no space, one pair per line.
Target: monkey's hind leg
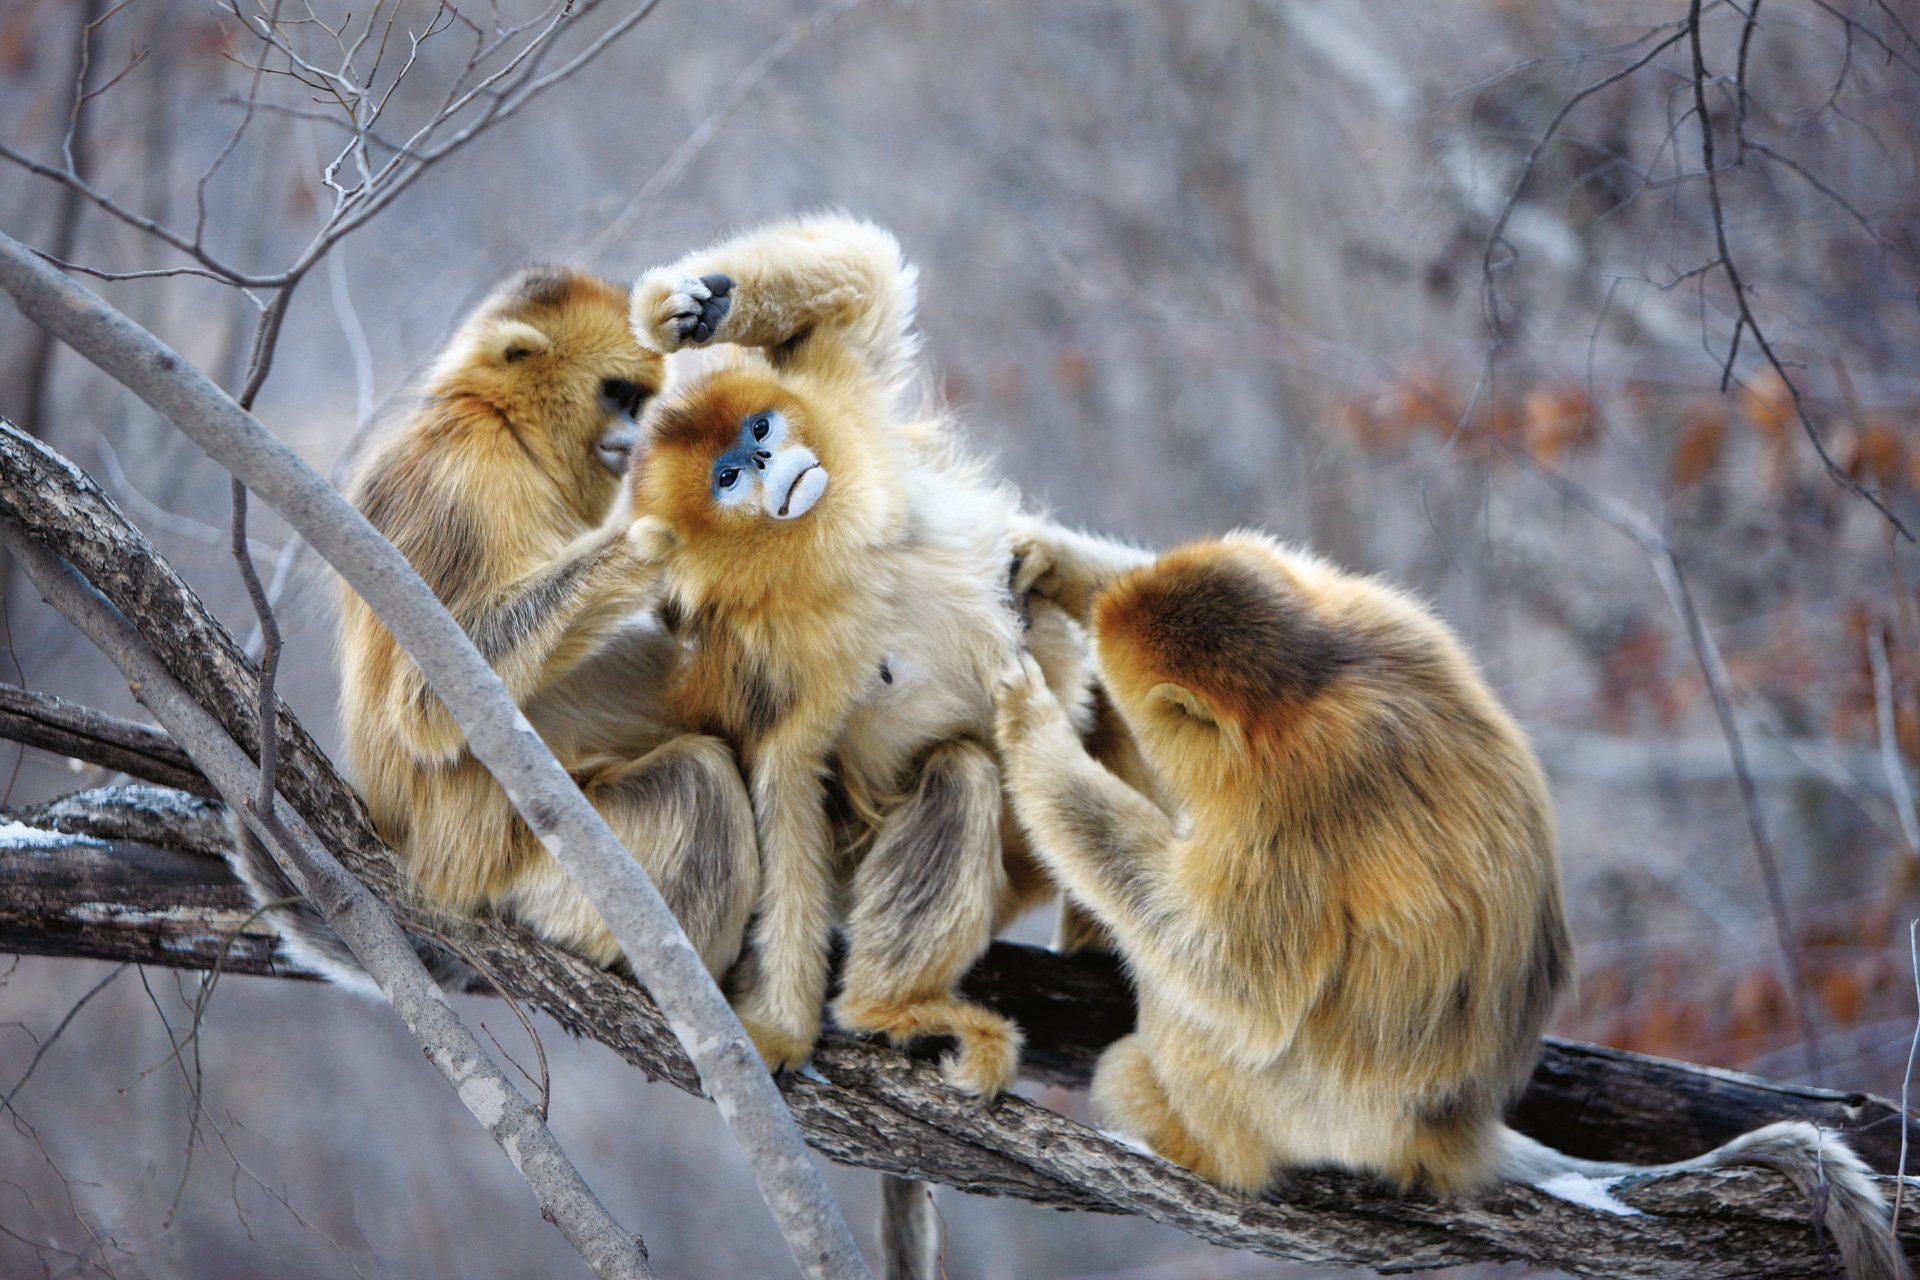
682,811
1129,1096
923,904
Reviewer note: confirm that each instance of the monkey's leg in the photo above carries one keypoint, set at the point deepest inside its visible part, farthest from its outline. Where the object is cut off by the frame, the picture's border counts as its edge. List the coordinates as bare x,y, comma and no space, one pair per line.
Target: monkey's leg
781,981
923,903
1130,1096
682,811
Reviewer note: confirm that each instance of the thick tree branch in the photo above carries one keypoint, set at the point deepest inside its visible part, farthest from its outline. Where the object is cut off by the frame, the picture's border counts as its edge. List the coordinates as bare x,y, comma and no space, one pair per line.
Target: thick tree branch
69,729
498,734
873,1107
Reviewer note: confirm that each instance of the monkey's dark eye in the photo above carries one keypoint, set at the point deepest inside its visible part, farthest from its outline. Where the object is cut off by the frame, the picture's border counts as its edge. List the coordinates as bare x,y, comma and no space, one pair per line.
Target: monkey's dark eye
761,426
727,477
627,395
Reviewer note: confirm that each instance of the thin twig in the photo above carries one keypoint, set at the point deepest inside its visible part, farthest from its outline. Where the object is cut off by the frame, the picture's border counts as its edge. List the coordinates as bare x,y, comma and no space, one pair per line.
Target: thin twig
1906,1080
6,1099
269,656
1746,320
1890,737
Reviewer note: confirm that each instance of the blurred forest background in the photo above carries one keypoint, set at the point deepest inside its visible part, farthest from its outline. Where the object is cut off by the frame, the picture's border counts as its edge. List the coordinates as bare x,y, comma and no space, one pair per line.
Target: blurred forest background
1302,264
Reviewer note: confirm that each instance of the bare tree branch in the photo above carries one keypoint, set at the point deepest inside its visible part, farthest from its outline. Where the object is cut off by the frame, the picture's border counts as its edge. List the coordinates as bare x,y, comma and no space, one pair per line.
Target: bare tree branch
54,724
1889,738
1747,321
1665,564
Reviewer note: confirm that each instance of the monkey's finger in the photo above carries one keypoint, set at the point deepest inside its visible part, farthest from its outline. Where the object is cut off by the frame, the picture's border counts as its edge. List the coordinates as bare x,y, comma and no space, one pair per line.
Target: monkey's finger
1021,677
1030,564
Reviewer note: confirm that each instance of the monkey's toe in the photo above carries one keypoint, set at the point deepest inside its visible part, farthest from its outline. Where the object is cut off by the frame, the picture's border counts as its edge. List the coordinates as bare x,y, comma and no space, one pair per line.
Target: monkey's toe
986,1064
780,1048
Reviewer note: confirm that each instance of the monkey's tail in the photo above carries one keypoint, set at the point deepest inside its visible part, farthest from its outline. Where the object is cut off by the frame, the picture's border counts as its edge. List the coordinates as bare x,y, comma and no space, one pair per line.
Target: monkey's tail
306,932
1818,1162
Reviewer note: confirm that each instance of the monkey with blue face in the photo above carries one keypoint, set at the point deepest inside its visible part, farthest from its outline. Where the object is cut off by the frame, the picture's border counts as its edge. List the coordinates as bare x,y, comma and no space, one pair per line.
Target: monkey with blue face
837,568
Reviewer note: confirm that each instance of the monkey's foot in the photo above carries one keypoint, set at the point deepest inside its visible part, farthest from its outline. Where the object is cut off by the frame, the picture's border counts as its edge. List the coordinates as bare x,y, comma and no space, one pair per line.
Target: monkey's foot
780,1048
670,311
989,1054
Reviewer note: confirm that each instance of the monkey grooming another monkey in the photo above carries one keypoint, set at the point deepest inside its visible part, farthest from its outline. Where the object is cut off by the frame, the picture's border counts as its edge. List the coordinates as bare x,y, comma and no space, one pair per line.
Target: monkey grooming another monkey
1347,933
500,487
838,571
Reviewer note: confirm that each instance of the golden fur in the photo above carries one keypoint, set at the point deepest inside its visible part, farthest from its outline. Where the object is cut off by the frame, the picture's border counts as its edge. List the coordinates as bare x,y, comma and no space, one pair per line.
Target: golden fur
1345,923
855,644
499,489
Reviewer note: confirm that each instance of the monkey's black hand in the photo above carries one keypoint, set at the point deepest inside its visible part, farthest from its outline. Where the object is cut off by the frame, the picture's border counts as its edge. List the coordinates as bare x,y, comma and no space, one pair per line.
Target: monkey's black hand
713,308
671,311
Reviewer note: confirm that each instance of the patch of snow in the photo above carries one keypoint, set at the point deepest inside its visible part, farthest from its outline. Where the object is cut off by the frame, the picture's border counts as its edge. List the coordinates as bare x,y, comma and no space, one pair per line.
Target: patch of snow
21,836
1594,1193
1128,1141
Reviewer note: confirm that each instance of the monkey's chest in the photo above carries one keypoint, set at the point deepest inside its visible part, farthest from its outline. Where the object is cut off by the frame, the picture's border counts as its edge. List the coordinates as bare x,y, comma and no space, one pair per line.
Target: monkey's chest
931,685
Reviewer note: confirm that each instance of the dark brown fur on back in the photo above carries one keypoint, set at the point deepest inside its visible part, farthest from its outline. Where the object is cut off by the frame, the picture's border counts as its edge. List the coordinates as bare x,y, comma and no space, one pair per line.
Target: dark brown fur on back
1229,626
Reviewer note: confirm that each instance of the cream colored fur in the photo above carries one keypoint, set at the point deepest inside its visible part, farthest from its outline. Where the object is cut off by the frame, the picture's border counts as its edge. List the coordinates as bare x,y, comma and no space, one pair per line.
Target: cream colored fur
861,639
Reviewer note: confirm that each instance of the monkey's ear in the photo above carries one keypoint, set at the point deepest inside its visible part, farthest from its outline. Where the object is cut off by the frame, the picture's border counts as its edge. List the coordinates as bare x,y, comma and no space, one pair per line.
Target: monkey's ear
514,340
1179,698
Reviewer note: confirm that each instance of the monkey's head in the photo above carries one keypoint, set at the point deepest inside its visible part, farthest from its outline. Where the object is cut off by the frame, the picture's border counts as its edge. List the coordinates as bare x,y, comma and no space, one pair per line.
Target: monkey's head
741,464
1213,654
550,353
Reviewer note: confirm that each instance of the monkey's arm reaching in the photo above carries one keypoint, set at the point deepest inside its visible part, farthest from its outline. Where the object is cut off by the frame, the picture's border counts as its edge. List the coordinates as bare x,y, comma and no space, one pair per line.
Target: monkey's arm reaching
1067,566
810,292
1103,840
535,629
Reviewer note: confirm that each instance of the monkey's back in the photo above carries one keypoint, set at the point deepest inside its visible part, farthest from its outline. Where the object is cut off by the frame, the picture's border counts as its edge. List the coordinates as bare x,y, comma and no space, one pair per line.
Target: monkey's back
1378,858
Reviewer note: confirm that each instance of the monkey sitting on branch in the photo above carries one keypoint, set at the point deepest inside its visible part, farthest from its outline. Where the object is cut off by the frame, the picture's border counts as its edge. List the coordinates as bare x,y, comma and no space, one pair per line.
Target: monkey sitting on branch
1346,932
837,568
500,487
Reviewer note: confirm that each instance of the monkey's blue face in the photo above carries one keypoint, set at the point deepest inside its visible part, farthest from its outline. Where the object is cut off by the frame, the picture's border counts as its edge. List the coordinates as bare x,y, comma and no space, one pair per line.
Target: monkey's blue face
769,468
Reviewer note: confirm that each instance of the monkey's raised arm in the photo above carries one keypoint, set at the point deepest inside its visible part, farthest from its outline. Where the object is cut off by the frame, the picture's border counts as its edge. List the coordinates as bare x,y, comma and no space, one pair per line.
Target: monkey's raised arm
810,292
1103,840
1067,566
